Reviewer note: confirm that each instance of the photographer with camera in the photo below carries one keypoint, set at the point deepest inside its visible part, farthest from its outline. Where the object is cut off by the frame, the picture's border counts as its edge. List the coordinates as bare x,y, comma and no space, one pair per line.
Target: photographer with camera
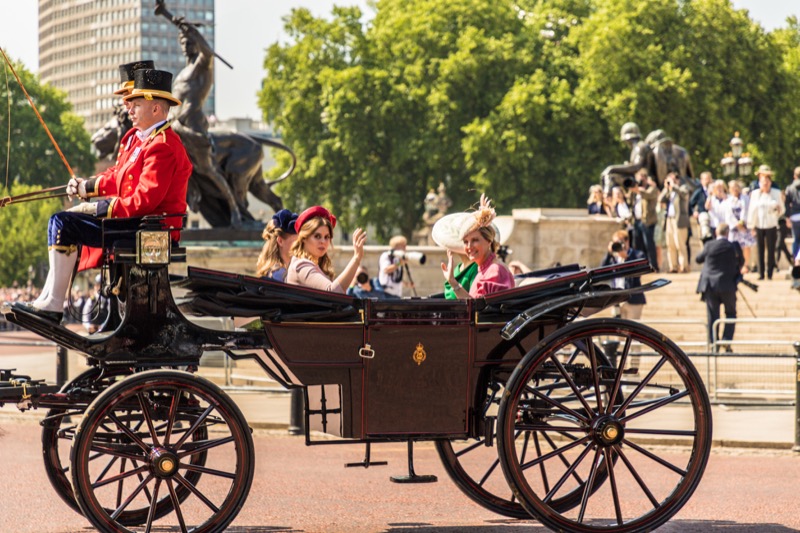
365,287
675,201
391,265
643,198
619,251
722,262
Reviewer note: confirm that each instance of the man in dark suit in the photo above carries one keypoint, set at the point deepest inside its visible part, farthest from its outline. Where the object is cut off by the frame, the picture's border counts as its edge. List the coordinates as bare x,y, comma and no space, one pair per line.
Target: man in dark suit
722,261
619,251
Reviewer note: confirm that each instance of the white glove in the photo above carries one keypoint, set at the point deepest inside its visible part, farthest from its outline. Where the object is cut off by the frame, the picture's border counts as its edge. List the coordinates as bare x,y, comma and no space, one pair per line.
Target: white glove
76,186
87,208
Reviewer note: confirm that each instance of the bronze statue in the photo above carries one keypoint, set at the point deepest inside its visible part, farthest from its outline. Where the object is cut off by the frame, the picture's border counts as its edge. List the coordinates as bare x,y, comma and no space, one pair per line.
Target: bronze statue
625,175
106,139
665,157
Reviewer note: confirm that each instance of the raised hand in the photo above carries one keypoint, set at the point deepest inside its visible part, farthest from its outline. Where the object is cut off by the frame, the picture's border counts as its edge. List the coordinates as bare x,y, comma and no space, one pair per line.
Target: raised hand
359,240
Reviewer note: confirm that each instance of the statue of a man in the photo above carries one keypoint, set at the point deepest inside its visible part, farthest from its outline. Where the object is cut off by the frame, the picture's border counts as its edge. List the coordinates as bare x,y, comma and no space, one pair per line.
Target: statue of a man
666,156
192,86
625,175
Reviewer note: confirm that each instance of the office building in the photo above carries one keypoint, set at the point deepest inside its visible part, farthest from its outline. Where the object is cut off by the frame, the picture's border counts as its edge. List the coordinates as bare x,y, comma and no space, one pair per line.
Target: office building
82,42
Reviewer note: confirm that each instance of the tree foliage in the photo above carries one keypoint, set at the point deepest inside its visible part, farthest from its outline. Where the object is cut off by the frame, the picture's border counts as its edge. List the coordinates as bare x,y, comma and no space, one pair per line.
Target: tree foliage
32,159
24,237
521,99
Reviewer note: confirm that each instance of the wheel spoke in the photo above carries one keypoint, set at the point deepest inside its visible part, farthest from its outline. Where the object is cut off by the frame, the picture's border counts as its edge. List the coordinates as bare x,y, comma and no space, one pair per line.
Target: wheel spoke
642,385
587,489
595,373
148,418
130,498
656,405
545,427
569,472
612,480
618,379
204,470
125,429
121,483
542,469
183,481
571,383
554,453
655,458
106,469
118,477
672,432
102,450
638,478
176,505
141,478
561,456
196,447
470,448
173,412
559,405
152,513
194,427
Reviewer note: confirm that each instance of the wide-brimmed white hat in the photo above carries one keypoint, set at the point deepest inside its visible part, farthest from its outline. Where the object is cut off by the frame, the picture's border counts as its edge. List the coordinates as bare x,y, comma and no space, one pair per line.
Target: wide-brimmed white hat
447,231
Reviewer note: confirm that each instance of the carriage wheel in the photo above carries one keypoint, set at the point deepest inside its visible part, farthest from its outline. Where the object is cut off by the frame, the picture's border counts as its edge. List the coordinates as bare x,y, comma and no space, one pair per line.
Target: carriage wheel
474,467
154,435
665,403
58,432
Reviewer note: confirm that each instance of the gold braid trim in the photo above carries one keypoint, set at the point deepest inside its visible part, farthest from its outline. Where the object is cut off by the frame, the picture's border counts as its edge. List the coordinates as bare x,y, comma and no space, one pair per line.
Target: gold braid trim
69,250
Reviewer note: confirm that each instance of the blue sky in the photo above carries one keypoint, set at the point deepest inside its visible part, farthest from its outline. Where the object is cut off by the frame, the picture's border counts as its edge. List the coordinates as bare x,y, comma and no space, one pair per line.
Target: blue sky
261,22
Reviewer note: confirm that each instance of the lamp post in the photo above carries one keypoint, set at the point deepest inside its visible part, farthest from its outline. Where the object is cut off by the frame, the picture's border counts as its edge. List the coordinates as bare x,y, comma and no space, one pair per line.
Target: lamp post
735,163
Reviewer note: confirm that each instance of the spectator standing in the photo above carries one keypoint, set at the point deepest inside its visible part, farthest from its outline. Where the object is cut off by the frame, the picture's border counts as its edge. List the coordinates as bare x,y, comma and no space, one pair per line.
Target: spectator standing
644,200
675,199
717,193
391,264
766,207
722,260
792,206
697,204
596,203
619,251
735,210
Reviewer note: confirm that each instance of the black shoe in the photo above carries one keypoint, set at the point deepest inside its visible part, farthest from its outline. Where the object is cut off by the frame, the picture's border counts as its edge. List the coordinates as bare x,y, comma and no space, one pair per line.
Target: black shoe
52,316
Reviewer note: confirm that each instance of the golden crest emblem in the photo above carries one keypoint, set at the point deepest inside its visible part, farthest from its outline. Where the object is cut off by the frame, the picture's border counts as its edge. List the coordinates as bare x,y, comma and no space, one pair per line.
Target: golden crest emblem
419,354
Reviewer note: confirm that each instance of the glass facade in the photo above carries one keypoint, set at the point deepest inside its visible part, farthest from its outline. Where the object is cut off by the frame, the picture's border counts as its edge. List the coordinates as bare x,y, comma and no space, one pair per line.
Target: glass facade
82,43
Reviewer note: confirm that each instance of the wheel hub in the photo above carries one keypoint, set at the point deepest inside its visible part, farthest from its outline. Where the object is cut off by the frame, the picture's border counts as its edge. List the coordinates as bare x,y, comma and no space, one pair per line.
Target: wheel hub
607,431
163,463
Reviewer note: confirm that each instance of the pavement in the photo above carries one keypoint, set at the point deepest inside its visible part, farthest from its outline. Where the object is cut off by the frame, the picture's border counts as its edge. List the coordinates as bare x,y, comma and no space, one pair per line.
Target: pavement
734,426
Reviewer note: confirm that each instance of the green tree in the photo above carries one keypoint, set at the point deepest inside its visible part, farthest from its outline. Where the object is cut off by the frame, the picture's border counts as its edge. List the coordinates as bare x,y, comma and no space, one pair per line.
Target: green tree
31,157
24,239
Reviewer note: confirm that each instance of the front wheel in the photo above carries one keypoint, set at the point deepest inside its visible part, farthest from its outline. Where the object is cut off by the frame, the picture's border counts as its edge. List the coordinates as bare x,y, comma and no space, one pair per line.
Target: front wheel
166,441
564,392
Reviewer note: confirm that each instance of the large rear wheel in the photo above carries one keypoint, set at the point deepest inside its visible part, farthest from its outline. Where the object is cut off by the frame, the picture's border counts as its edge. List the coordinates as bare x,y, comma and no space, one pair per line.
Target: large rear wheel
563,394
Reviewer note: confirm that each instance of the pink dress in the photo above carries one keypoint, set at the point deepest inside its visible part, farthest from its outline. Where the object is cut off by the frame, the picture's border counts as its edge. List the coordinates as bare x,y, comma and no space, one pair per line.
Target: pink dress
307,274
492,277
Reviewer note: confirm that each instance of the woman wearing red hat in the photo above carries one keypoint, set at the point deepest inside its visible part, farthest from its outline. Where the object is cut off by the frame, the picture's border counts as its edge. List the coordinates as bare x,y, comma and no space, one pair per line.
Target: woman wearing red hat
480,243
310,265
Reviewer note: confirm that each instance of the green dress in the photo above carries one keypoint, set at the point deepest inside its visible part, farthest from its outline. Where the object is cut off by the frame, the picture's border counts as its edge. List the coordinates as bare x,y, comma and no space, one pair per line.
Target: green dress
464,279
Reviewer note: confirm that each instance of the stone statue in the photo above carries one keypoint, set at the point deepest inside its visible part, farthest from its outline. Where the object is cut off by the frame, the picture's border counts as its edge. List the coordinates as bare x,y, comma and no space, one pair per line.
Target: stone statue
106,139
665,157
625,175
436,205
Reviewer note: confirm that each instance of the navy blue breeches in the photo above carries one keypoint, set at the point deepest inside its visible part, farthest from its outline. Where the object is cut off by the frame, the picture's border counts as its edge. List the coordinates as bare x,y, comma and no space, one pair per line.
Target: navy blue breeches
66,231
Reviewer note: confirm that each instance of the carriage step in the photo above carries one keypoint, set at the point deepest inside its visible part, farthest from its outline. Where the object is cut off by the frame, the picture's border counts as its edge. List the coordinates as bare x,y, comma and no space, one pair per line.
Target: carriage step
412,477
366,463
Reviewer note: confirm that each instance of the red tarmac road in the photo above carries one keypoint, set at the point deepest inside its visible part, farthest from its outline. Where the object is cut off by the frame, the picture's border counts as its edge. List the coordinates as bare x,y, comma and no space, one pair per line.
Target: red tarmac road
299,488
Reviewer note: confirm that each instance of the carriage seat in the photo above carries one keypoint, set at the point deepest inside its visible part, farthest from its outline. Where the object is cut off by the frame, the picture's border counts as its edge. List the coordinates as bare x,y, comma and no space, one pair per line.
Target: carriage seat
144,245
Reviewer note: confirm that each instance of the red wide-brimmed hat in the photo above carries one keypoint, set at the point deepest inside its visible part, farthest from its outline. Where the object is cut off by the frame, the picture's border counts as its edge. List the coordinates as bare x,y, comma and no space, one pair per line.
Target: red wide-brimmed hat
311,212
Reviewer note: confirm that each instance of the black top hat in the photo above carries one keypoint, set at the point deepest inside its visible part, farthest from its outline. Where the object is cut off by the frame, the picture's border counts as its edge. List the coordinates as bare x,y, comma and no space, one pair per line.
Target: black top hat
126,74
151,83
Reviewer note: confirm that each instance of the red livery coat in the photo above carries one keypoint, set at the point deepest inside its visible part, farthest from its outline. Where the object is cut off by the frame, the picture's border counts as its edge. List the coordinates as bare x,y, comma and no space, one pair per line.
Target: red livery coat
150,177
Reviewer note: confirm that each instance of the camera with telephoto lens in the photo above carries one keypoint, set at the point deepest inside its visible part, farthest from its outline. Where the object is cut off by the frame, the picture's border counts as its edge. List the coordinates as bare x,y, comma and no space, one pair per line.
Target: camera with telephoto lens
415,258
503,252
362,278
616,247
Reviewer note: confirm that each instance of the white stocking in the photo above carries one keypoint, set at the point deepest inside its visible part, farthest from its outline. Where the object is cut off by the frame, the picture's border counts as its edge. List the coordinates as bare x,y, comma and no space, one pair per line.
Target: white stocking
55,288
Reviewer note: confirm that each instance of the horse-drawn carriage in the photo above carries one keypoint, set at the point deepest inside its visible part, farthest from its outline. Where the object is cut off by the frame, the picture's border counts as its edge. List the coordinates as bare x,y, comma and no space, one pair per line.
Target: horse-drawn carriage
534,409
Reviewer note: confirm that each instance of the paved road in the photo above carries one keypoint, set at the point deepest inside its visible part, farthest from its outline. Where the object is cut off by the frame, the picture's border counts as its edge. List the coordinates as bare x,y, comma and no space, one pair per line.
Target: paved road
299,488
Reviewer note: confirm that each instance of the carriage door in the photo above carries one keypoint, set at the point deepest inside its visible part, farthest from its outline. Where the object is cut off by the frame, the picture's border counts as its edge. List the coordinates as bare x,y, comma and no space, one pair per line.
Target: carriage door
417,382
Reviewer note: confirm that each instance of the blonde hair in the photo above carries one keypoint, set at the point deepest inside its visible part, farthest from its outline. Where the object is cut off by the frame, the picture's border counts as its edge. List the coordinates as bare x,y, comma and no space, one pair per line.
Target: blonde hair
397,240
298,248
269,260
592,190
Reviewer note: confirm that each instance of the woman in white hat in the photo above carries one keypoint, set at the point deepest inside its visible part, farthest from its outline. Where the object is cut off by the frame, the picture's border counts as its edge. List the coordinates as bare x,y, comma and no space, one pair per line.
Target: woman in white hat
446,233
480,244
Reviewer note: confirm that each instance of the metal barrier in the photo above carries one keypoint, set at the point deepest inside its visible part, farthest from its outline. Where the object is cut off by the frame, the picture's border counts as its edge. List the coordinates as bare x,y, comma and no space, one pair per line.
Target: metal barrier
717,343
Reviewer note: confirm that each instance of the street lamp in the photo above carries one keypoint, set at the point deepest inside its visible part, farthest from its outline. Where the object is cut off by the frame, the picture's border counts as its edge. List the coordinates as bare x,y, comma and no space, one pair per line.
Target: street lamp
735,163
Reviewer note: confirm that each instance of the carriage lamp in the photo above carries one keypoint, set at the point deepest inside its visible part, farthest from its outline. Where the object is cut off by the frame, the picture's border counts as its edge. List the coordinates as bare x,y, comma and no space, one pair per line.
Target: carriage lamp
152,247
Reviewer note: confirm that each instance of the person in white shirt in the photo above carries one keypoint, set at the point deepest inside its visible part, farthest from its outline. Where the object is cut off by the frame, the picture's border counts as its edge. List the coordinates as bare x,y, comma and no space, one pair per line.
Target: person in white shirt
766,207
390,267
